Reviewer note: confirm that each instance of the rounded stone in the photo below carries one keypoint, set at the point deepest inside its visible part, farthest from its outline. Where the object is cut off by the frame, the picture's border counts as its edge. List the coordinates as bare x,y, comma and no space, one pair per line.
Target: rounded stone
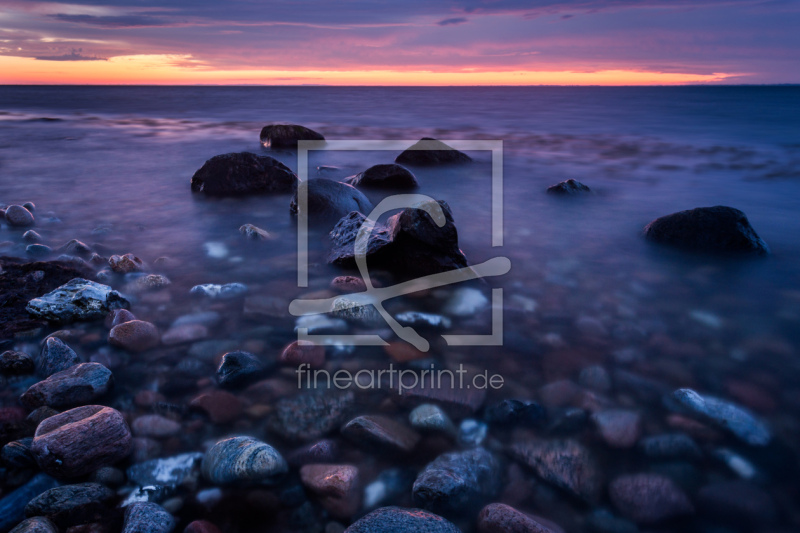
303,352
123,264
648,498
384,176
19,217
134,335
338,487
242,460
398,520
501,518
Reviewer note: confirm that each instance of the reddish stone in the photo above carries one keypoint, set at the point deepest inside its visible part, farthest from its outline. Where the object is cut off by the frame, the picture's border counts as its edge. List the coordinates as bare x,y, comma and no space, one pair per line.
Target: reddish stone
202,526
148,398
751,395
501,518
117,317
124,264
184,333
648,498
300,352
348,284
221,406
402,352
337,487
618,427
135,336
155,426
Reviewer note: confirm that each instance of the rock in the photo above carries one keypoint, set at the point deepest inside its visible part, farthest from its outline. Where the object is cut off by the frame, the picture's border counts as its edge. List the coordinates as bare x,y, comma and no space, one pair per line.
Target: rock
648,498
430,152
381,433
38,250
512,412
81,440
323,451
358,309
287,135
738,503
717,229
16,363
76,247
603,521
148,282
134,335
55,357
595,378
243,173
320,325
303,352
124,264
565,463
429,321
31,236
80,299
670,446
465,302
348,284
17,454
310,415
212,291
501,518
117,317
410,244
12,506
221,407
37,524
70,505
620,428
397,520
454,483
727,415
429,417
19,217
239,460
155,426
455,401
78,384
389,176
252,232
329,201
337,487
568,188
201,526
391,485
108,476
147,517
184,333
171,471
472,433
237,369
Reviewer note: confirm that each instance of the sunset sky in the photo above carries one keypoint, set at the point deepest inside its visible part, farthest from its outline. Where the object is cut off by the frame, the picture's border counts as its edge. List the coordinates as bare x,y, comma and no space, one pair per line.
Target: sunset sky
413,42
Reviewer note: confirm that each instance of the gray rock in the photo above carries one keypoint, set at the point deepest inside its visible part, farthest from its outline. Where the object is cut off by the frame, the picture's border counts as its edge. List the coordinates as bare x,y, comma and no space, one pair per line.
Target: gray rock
70,505
596,378
727,415
242,460
568,188
155,426
243,173
397,520
418,320
32,236
670,446
648,498
12,506
564,463
37,524
287,135
328,201
147,518
16,363
237,369
167,471
80,299
78,384
472,432
391,176
381,433
311,415
75,247
55,357
430,417
19,217
219,292
431,152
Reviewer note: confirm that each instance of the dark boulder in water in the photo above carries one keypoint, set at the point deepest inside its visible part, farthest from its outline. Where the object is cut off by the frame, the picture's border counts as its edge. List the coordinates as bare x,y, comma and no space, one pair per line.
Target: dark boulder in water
430,152
80,299
328,201
717,229
55,356
287,135
71,505
243,173
410,244
568,187
397,520
387,176
16,363
238,369
78,384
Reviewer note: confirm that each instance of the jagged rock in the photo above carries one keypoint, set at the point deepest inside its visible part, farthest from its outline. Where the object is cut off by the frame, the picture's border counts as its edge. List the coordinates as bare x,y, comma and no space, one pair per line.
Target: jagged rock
287,135
125,264
134,335
564,463
78,384
237,369
16,363
568,188
80,299
55,357
70,505
430,152
243,173
381,433
328,201
389,176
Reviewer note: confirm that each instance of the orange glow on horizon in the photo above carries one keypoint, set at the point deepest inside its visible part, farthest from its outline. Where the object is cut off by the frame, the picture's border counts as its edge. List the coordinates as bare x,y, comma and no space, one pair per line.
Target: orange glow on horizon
183,70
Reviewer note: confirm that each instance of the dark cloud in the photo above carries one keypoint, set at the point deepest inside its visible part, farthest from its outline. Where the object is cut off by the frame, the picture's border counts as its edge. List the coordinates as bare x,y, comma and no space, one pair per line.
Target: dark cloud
122,21
452,21
75,55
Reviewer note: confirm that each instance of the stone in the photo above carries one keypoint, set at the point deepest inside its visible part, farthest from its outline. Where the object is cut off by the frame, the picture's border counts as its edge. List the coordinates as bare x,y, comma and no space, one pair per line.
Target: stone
243,173
311,415
670,446
329,201
429,321
38,250
345,284
513,412
409,245
69,505
472,433
155,426
430,417
17,454
80,299
568,188
501,518
717,229
19,217
465,302
567,464
391,485
221,406
431,152
124,264
229,291
173,471
620,428
134,336
455,483
12,506
77,385
76,247
727,415
16,363
243,460
337,487
738,503
381,433
323,451
253,232
595,378
202,526
303,352
31,236
147,517
117,317
37,524
385,176
648,498
358,309
183,334
237,369
55,357
81,440
108,476
398,520
148,282
287,135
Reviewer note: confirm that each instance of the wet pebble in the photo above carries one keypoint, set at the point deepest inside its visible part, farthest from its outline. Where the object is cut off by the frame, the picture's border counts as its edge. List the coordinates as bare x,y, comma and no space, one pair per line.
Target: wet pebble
148,282
221,406
310,415
37,524
55,356
303,352
472,432
648,498
381,433
175,470
19,217
38,250
237,369
390,486
134,335
569,187
323,451
620,428
117,317
430,417
32,236
398,520
69,505
242,460
155,426
77,385
564,463
219,292
337,487
147,518
16,363
501,518
124,264
595,378
727,415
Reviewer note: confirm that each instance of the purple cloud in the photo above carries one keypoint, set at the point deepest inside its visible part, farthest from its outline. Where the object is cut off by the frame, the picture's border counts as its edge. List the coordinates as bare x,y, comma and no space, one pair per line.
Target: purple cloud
452,21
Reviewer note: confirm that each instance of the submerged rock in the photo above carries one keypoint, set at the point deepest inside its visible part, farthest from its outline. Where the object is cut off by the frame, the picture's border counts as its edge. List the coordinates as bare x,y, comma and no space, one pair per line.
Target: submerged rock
648,498
134,335
125,264
71,505
338,487
155,426
80,299
78,384
19,217
381,433
17,454
564,463
455,483
253,232
410,244
12,506
398,520
243,460
707,229
243,173
37,524
287,135
237,369
568,188
219,292
430,152
329,201
167,471
16,363
55,357
147,517
311,415
501,518
389,176
430,417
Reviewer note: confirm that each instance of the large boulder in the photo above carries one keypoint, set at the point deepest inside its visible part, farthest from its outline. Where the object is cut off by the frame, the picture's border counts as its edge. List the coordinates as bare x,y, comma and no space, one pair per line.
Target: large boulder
287,135
78,384
410,244
328,200
80,299
243,173
717,229
431,152
387,176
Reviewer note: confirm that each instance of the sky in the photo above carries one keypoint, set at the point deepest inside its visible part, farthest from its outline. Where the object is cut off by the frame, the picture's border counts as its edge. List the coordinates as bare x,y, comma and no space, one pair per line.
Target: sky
409,42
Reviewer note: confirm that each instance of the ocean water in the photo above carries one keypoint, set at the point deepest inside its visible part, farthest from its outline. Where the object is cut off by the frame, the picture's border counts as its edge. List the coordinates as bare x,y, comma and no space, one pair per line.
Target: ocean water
111,166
